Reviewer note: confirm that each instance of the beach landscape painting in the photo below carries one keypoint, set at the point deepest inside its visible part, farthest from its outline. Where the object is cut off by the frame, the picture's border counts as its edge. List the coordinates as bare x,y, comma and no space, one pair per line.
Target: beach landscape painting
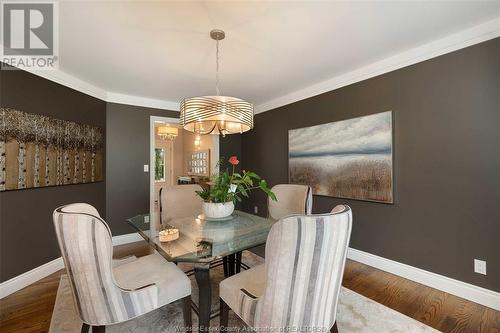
345,159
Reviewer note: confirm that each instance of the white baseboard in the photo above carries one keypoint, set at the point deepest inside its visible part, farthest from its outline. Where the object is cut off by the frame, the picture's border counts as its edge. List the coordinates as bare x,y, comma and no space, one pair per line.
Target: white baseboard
19,282
468,291
127,238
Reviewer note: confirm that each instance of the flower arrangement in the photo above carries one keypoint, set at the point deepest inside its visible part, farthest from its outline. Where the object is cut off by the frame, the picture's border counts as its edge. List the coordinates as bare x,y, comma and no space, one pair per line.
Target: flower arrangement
232,186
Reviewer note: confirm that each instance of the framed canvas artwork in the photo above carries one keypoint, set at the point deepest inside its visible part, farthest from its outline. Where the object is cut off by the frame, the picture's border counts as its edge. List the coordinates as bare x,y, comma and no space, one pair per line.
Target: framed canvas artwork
40,151
345,159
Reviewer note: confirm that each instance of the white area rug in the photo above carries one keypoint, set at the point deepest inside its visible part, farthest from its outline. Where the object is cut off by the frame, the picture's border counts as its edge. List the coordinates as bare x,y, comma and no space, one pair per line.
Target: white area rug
356,313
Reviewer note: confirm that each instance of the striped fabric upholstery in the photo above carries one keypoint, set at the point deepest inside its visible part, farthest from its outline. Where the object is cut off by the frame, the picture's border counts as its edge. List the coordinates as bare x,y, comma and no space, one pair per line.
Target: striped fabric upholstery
291,199
81,208
179,201
85,243
302,276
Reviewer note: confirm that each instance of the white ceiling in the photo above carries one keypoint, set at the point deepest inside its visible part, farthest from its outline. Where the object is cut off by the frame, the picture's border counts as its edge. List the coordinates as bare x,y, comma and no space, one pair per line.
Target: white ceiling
162,50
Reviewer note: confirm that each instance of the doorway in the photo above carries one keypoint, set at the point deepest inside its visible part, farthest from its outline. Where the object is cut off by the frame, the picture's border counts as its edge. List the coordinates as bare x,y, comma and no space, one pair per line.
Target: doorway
178,158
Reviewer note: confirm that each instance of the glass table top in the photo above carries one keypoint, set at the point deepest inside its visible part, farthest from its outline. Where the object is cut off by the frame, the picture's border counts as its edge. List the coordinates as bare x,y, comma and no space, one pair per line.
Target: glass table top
200,240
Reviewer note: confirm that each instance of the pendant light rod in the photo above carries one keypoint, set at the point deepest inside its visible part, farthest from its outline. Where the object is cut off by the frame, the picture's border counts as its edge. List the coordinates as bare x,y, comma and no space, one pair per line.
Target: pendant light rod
217,35
217,88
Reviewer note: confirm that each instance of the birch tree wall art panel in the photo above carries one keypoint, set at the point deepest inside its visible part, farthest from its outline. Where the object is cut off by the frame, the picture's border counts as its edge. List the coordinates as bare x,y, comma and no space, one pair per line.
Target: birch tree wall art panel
39,151
349,159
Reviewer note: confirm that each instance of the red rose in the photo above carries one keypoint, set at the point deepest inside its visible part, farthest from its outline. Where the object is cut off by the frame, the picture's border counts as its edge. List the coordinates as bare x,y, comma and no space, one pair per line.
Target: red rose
234,160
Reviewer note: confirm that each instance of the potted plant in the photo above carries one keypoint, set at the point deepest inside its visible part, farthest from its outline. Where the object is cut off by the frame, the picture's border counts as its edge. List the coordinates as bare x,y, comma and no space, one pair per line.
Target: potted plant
225,189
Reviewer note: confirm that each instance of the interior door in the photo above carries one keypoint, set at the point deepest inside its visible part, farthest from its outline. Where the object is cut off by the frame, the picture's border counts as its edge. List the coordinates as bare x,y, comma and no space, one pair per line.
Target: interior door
163,172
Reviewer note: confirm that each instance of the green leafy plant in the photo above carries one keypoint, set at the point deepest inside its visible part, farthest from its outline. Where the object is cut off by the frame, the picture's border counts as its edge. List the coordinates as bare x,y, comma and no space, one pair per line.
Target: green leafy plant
159,164
226,186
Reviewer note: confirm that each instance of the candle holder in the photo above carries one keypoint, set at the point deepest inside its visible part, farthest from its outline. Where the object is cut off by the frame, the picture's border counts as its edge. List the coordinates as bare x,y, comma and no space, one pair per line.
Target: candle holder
168,235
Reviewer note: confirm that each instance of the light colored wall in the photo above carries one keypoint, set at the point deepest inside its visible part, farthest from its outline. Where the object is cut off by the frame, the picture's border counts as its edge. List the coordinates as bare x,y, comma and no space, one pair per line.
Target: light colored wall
207,142
178,167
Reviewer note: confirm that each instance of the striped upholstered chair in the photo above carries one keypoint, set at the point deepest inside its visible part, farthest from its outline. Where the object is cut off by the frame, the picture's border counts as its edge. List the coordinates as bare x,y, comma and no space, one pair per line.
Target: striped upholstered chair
298,287
179,201
106,293
292,199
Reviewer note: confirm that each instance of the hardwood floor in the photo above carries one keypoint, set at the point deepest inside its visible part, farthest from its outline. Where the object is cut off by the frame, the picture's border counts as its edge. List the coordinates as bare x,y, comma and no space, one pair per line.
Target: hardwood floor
440,310
29,310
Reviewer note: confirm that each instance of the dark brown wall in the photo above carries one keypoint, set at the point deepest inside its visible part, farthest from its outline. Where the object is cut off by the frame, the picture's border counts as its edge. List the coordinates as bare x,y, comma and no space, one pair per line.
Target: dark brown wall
27,237
446,161
230,146
127,142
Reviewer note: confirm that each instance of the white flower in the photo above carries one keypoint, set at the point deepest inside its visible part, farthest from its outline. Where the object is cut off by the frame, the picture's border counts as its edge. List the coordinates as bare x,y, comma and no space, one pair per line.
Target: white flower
232,188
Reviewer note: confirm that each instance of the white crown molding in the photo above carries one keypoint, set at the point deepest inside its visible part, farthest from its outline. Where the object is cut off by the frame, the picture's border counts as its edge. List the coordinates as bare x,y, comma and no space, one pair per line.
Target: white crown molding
456,41
75,83
468,291
70,81
142,101
477,34
21,281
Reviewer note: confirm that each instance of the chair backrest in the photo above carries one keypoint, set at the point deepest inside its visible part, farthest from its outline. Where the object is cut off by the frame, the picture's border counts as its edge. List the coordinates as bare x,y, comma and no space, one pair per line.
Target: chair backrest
305,259
292,199
180,201
83,208
87,250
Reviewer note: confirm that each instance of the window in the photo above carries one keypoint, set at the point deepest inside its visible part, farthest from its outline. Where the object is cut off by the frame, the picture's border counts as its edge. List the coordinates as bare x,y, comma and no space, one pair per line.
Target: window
159,164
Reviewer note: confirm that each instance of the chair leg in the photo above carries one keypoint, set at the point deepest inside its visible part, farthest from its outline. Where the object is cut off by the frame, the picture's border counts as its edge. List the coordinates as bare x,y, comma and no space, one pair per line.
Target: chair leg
186,313
334,328
85,328
224,314
98,329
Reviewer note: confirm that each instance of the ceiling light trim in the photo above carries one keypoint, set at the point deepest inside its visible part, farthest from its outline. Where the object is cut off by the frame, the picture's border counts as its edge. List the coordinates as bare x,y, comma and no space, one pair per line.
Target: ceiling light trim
456,41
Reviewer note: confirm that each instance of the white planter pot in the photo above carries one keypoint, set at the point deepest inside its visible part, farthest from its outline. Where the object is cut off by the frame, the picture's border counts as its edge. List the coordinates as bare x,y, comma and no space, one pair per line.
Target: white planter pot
218,210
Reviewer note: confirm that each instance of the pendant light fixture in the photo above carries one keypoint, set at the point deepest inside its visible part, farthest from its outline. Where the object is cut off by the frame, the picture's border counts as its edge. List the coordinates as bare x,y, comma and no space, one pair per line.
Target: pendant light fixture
216,114
168,133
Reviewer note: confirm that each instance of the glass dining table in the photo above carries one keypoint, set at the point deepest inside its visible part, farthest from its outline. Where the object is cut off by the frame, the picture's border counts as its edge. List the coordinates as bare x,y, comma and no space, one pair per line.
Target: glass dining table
205,243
